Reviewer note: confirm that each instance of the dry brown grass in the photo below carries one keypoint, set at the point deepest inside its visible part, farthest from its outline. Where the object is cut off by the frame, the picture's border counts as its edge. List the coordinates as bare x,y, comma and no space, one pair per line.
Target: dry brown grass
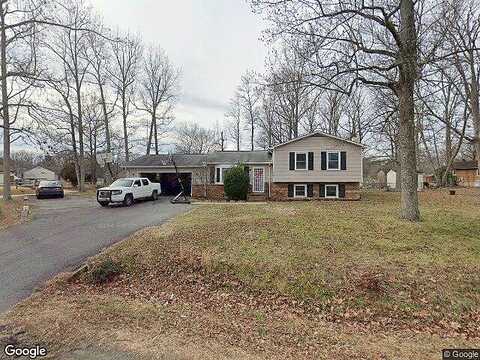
301,280
10,212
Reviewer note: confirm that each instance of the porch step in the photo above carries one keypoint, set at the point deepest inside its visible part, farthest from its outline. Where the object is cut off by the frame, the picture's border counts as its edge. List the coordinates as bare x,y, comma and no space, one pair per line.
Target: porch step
256,197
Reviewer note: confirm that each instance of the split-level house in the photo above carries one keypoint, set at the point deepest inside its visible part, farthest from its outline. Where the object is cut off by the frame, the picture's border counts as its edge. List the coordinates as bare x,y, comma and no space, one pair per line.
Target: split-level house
314,166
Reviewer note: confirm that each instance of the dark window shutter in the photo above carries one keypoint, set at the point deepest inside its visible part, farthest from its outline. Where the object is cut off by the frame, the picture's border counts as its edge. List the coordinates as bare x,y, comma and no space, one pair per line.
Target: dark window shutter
324,160
310,190
212,175
218,174
322,190
343,160
341,190
310,161
291,160
290,190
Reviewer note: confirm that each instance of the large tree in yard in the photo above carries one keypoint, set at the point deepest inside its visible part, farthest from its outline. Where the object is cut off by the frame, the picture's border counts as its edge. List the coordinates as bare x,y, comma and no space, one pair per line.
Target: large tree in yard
374,43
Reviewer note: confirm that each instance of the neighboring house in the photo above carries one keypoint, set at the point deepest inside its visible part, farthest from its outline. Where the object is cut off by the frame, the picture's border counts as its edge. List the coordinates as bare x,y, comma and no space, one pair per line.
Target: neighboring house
39,173
392,180
315,166
466,172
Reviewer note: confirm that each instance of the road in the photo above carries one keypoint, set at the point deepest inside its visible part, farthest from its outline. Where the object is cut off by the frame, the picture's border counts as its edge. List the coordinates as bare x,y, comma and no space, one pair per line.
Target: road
62,234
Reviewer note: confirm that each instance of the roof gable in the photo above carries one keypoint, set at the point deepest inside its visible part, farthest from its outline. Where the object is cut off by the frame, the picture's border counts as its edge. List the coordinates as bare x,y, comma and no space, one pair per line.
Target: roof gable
318,134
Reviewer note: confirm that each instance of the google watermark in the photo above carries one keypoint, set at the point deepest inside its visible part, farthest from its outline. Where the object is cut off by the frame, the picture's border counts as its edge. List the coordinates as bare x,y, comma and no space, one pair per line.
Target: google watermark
461,354
32,352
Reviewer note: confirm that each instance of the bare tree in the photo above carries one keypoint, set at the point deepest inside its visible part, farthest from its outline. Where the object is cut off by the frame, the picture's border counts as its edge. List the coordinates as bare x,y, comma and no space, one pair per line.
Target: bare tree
248,94
99,55
159,90
351,42
127,52
67,44
20,23
191,138
234,115
462,24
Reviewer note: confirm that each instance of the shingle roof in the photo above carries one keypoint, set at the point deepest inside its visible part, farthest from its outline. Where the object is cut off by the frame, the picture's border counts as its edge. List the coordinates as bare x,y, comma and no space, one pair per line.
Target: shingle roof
234,157
465,165
165,160
218,157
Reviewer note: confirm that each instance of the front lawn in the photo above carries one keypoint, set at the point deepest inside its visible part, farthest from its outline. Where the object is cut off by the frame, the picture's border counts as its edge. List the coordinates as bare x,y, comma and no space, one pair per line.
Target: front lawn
287,280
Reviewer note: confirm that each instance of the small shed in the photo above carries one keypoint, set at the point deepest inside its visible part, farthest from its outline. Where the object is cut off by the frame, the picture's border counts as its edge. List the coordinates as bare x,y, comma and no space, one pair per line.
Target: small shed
392,180
467,173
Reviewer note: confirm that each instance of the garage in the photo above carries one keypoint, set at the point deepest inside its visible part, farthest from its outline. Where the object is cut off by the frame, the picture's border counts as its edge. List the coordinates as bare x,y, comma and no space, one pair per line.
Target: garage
170,182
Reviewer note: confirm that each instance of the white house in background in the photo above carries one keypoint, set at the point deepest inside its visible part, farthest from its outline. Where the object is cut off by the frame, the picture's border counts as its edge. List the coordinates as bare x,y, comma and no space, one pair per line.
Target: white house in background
39,173
392,180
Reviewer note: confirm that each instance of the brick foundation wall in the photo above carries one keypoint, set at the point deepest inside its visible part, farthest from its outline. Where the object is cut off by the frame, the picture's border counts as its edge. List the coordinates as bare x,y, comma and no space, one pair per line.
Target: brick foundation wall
280,192
214,192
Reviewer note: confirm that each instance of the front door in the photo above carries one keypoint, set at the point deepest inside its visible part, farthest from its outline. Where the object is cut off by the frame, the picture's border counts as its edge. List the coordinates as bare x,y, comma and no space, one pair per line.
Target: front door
259,180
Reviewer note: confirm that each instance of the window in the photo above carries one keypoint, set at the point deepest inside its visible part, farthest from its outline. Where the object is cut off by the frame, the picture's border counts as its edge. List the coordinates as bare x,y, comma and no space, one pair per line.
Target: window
331,191
333,160
300,161
220,172
300,190
145,182
137,183
122,183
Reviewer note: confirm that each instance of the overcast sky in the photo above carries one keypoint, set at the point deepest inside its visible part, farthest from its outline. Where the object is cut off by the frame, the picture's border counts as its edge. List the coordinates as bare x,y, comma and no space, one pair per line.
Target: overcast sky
212,41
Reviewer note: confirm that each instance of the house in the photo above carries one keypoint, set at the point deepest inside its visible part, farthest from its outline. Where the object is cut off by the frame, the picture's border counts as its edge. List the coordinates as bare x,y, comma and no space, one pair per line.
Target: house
467,173
392,180
314,166
39,173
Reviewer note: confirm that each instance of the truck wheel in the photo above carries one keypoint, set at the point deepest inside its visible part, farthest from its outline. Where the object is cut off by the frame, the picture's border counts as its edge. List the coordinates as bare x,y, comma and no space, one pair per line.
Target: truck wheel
128,201
103,203
155,195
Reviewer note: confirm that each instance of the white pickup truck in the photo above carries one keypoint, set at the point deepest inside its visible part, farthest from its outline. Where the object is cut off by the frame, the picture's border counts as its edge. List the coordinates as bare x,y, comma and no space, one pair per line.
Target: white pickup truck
127,190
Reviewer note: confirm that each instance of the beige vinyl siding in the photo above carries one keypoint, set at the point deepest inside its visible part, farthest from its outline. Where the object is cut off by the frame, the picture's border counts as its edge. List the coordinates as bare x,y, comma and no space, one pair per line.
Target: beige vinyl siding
317,144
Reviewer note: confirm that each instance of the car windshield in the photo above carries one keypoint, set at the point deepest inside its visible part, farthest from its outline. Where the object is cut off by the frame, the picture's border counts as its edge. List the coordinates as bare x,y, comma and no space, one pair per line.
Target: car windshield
122,183
49,184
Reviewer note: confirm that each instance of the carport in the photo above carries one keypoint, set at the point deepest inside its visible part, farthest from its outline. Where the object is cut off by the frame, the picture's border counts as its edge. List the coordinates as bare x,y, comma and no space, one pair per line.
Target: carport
163,168
170,183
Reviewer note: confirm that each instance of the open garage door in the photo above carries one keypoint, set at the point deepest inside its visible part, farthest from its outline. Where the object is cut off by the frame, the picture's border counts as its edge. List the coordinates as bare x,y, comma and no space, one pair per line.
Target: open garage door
169,182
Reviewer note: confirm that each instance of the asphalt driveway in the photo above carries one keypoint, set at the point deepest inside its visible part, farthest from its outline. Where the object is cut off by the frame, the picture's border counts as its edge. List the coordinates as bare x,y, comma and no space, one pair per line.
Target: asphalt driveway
62,233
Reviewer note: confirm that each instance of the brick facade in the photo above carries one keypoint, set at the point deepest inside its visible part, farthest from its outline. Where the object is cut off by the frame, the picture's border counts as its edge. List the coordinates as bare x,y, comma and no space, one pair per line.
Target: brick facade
280,192
214,192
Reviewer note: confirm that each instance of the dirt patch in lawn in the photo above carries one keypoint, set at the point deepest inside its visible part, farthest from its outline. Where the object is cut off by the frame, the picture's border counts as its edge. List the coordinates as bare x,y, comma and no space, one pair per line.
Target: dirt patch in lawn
300,280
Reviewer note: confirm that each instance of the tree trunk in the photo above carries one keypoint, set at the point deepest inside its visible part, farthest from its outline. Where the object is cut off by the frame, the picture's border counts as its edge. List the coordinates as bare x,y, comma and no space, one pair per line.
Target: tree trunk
252,136
405,92
150,135
475,106
81,184
155,129
6,115
108,173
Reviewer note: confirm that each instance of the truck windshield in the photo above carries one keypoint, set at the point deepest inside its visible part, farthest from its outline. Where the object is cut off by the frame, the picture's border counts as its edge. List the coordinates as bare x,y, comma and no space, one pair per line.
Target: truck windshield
122,183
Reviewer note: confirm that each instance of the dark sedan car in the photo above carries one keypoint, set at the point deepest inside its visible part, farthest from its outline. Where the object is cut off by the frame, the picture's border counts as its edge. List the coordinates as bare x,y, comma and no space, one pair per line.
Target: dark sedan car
46,189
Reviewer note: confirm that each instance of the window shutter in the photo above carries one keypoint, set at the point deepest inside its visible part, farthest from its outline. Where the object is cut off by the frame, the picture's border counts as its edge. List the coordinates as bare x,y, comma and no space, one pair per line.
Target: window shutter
212,175
310,190
218,174
341,190
310,161
343,160
324,160
322,190
290,190
291,160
